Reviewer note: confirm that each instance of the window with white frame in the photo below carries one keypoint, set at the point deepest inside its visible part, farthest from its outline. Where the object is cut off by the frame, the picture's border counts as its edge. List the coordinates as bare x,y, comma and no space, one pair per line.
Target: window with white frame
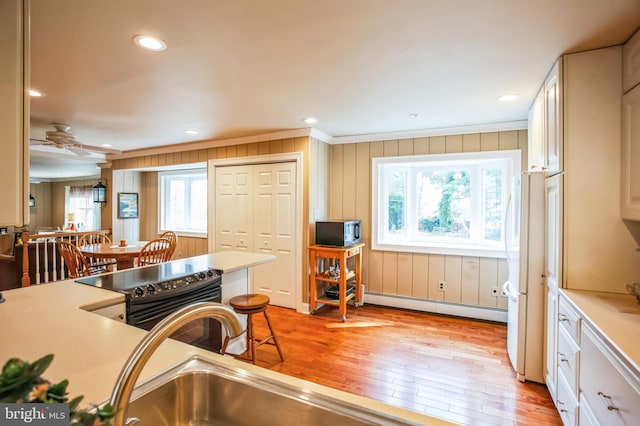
80,209
442,203
183,201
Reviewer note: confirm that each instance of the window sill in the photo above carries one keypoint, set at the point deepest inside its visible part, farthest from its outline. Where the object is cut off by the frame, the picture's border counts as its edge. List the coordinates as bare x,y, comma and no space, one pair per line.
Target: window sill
447,249
185,233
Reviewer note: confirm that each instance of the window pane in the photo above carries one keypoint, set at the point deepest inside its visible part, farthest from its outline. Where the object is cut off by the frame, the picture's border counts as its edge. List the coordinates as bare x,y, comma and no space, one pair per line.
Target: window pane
397,190
199,204
184,201
176,212
444,203
492,183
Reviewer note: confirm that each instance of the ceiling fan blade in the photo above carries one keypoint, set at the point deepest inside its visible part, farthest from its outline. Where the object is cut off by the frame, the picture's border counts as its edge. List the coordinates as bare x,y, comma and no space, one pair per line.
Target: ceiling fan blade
78,150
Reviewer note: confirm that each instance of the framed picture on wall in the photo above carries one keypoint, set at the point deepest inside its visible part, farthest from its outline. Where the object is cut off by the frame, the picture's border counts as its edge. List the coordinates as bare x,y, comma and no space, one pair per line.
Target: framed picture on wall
127,205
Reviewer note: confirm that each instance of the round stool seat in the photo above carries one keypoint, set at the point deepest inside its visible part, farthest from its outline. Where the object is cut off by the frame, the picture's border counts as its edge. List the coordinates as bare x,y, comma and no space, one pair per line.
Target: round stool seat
249,302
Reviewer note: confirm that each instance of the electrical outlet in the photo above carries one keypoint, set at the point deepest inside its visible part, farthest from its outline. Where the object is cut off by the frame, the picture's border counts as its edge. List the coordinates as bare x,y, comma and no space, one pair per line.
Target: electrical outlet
494,291
441,285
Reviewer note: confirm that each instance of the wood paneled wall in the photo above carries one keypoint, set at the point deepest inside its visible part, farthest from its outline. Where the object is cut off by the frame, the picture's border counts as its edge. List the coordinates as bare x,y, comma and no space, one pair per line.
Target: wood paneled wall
469,280
41,214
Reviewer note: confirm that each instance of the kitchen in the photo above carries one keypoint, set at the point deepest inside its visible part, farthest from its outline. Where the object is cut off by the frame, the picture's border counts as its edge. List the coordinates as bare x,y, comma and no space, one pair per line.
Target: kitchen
332,166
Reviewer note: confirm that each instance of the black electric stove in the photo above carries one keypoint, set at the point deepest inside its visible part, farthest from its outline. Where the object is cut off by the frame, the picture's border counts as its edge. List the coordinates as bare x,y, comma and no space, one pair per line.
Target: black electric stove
165,280
154,292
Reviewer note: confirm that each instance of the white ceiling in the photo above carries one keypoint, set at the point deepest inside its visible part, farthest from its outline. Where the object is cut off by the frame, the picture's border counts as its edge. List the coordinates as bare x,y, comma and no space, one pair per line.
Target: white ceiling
246,67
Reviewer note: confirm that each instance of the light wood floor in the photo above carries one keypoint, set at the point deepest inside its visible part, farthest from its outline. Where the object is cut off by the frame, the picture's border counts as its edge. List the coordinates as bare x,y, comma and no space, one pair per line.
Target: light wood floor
451,368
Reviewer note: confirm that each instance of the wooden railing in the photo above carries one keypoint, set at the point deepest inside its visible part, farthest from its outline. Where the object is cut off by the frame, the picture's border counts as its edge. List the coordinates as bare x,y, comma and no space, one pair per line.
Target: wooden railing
52,266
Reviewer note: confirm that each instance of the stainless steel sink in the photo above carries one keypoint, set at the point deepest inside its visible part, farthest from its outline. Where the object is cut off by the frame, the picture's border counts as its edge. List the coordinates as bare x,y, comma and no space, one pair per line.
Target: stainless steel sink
202,392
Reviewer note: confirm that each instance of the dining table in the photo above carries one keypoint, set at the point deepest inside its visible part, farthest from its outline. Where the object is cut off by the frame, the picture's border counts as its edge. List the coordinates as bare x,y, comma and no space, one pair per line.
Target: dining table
124,255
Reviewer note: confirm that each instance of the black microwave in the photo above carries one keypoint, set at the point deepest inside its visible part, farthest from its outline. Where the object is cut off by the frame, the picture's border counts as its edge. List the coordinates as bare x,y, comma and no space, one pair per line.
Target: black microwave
341,233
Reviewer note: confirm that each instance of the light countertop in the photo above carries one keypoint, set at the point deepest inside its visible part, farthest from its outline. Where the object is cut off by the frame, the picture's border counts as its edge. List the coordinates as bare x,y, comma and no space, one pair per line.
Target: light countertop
90,350
230,261
616,317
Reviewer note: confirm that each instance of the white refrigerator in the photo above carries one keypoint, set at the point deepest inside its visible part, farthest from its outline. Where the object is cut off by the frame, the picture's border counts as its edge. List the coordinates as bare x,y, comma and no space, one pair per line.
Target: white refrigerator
525,240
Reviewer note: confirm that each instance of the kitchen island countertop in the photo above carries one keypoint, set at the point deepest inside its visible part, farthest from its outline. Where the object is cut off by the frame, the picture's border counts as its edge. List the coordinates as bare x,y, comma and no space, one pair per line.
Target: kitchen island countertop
90,350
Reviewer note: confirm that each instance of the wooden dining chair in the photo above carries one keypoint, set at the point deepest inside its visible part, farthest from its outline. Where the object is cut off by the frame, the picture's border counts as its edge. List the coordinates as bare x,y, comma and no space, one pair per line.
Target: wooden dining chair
155,251
75,261
97,265
173,239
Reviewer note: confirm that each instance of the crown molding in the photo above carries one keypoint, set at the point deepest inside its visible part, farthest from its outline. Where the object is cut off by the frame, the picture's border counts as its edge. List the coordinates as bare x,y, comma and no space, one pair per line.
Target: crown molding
442,131
320,135
215,143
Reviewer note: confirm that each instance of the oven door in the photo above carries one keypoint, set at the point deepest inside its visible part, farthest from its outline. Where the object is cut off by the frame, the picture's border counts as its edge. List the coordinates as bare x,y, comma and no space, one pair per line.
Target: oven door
206,334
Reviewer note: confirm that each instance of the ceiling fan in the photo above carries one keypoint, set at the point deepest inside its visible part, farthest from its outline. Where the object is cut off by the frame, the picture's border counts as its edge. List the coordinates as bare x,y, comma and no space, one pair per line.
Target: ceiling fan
62,138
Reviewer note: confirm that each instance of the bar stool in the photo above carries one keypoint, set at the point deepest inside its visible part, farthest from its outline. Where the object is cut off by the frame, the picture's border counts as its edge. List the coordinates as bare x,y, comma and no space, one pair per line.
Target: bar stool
250,304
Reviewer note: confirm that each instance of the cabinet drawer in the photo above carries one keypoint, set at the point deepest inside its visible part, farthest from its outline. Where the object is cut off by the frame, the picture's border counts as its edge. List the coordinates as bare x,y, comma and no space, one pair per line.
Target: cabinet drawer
353,251
612,395
569,319
568,359
566,402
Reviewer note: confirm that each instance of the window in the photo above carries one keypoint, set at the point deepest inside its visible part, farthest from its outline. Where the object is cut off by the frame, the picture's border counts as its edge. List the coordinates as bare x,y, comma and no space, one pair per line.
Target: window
183,201
444,203
80,209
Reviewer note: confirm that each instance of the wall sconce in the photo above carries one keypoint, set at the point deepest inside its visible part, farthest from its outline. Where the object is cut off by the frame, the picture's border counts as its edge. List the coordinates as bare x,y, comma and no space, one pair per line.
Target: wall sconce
32,201
99,193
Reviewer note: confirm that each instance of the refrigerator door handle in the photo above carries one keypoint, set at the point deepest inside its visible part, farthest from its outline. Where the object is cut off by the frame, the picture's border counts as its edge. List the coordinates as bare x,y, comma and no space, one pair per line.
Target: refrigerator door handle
506,287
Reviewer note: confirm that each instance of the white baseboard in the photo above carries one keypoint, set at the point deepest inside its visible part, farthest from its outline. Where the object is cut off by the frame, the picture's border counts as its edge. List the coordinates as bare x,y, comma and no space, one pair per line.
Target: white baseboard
304,309
446,308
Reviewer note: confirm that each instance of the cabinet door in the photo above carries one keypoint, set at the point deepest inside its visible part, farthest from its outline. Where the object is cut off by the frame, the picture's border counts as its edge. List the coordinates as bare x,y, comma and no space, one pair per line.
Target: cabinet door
14,114
553,226
553,122
630,196
536,154
551,376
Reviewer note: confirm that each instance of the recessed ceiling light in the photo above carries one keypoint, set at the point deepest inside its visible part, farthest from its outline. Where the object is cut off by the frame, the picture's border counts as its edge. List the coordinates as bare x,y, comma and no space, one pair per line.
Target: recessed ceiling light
507,98
191,132
150,43
106,145
35,93
414,115
310,120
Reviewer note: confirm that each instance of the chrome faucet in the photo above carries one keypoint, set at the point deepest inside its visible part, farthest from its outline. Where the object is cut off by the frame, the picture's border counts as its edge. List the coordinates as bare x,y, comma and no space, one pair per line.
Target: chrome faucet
147,346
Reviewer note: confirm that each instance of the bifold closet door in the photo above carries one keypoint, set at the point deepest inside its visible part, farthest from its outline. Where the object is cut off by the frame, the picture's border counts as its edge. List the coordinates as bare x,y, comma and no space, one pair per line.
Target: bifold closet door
255,211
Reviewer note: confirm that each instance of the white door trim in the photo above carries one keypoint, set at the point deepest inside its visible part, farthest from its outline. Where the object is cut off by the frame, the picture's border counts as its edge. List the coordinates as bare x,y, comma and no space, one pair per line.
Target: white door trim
296,157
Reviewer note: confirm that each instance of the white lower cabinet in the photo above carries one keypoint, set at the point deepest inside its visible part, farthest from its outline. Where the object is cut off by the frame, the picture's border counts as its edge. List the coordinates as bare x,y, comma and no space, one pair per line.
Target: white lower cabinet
568,362
594,385
115,312
611,392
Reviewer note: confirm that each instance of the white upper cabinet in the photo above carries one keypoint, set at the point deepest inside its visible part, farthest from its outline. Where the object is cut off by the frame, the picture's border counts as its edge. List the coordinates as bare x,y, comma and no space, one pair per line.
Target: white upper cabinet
553,119
536,155
631,63
14,113
545,125
630,194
